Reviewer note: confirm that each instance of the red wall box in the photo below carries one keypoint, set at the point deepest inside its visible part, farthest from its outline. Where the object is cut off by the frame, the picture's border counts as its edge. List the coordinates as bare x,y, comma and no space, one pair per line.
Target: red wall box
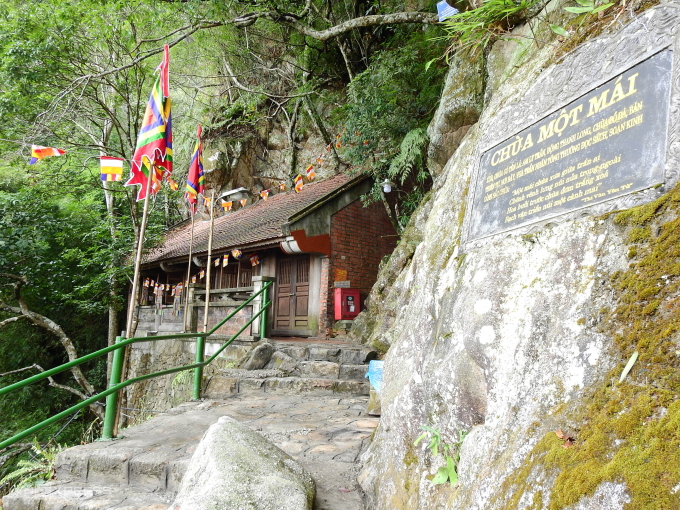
347,304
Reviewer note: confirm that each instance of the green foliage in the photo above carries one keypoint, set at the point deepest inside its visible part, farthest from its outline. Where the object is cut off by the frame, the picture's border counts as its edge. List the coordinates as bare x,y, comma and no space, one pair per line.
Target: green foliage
472,31
451,454
34,471
386,115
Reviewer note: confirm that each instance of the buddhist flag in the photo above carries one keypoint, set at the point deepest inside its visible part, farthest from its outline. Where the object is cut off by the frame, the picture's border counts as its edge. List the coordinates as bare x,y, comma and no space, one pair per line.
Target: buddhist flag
236,254
254,259
282,186
243,202
298,183
171,182
217,261
39,152
319,160
111,168
201,274
264,194
227,206
310,172
195,177
193,279
225,260
146,282
153,155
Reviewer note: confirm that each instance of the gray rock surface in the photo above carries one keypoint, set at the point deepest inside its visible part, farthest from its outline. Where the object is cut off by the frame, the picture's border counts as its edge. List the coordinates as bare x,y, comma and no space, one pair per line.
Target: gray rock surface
283,362
500,337
259,357
235,468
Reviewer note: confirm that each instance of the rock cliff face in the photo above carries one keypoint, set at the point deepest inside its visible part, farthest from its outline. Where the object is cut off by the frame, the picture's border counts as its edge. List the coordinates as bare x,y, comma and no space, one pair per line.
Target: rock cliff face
518,335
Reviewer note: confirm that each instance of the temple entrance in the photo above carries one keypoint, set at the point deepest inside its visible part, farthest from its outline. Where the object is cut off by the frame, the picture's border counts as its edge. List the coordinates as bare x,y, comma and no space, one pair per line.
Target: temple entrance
291,302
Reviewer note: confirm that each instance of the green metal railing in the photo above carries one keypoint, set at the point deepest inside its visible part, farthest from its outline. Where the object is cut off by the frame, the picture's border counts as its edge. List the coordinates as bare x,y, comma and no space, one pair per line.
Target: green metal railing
115,384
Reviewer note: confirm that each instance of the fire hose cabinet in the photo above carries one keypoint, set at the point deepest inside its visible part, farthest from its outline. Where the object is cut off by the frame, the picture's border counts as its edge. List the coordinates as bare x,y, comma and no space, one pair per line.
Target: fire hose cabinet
347,304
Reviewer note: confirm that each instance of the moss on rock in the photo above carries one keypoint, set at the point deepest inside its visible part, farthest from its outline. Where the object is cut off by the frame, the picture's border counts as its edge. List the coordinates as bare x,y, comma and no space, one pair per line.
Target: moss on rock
629,432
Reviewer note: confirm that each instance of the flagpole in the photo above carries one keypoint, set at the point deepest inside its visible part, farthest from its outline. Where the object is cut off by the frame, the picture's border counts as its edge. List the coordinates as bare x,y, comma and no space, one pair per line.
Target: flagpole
200,341
207,273
138,258
191,252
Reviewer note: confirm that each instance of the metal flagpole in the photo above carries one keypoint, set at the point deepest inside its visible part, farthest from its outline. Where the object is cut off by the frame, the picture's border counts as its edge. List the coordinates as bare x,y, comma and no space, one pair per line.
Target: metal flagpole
191,252
200,341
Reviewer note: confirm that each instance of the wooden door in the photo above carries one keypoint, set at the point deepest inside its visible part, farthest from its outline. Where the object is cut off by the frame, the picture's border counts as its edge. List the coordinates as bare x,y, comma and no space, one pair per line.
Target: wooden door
291,314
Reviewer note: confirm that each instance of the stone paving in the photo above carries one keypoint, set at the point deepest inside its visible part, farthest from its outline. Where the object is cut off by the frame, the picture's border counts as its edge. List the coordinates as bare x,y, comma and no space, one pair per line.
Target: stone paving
142,469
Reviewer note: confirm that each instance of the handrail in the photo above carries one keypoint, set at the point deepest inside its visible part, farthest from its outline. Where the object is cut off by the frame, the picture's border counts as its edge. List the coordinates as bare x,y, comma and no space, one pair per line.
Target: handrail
121,344
118,346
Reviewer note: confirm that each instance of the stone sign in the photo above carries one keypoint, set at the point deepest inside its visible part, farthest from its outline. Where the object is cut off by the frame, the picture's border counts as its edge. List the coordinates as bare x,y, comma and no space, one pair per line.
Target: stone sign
609,142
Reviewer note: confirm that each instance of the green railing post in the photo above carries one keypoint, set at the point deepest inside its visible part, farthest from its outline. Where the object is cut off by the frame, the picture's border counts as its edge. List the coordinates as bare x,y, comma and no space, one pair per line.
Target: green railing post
112,399
198,371
263,317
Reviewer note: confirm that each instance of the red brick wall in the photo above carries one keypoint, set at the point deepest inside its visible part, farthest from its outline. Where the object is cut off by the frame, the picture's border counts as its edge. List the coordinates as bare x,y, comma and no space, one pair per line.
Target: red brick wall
360,238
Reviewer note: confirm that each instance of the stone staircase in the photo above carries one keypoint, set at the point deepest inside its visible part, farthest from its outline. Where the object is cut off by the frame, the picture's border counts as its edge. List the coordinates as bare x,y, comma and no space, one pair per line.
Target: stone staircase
302,389
294,368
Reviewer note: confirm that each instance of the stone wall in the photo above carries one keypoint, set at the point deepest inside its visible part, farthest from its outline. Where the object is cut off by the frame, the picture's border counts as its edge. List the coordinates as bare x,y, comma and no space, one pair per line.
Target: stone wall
162,393
514,338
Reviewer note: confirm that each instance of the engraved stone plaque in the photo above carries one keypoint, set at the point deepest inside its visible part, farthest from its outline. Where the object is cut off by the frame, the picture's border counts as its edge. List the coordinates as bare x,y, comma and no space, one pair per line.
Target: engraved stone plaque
607,143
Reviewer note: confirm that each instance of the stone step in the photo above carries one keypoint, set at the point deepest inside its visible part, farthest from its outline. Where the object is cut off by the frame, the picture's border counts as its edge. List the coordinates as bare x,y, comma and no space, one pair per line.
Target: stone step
342,355
221,387
59,495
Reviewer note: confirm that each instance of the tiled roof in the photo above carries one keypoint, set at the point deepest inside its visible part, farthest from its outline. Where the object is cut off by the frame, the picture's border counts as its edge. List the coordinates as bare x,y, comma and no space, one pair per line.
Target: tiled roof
259,224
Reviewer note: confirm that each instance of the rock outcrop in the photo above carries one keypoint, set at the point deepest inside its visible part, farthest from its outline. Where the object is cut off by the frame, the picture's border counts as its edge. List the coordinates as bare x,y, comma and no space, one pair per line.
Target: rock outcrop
518,339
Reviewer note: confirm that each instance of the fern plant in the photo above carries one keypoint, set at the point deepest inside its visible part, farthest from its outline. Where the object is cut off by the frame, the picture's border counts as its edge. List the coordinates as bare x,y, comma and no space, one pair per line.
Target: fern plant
34,471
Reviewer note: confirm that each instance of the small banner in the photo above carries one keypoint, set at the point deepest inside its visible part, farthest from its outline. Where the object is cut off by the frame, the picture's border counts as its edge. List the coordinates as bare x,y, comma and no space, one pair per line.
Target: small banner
216,263
39,152
254,259
225,260
193,279
146,282
298,183
243,202
236,254
111,169
282,186
310,172
226,206
264,194
177,301
201,275
171,182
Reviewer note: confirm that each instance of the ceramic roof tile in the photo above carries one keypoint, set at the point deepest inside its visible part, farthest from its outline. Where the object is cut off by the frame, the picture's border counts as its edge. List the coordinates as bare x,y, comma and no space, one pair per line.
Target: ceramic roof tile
257,224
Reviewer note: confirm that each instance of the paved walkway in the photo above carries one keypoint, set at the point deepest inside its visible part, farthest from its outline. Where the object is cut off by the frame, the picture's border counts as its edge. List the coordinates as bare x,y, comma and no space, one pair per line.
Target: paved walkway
142,469
325,435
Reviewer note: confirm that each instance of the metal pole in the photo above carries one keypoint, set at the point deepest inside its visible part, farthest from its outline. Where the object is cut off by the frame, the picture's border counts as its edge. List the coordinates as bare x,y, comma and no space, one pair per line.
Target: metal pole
112,399
200,341
186,287
263,317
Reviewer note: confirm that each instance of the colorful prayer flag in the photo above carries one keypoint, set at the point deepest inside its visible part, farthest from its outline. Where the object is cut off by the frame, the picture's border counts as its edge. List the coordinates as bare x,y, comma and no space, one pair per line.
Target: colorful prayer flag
254,259
298,183
201,275
171,182
39,152
243,202
111,168
225,260
310,172
236,254
152,283
217,261
319,160
227,206
146,282
282,186
193,279
264,194
195,178
153,154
